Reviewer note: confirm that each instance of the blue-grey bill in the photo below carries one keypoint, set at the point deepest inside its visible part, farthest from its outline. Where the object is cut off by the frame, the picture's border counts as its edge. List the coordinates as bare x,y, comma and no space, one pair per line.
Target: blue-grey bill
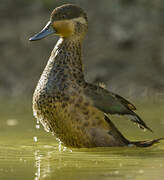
47,30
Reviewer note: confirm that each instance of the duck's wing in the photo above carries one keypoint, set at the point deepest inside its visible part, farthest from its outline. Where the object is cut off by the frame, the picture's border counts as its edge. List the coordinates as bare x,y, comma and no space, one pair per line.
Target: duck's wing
112,103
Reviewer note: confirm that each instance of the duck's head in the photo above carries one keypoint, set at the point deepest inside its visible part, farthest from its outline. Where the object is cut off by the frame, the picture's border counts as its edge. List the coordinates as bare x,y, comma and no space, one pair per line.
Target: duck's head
66,21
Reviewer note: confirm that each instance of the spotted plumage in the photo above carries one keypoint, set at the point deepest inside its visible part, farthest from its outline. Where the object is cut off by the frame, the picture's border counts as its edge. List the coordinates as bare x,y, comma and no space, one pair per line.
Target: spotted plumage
66,105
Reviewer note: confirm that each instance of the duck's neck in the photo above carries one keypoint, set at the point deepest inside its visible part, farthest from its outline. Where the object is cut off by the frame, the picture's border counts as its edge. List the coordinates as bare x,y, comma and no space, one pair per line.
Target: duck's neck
67,56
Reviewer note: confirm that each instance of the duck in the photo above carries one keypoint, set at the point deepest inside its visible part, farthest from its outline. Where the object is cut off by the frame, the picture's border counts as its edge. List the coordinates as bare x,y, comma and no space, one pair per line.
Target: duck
75,111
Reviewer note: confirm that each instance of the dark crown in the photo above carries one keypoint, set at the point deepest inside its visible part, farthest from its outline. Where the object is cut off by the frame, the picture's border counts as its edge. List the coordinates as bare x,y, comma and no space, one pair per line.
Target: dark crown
67,12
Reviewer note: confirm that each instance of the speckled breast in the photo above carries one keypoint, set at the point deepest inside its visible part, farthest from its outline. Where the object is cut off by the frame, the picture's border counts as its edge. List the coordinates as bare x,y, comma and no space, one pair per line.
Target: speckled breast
63,115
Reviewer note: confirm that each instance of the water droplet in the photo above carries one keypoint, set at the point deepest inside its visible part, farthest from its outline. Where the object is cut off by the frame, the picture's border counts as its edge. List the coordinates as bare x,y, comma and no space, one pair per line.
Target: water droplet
64,148
35,139
37,126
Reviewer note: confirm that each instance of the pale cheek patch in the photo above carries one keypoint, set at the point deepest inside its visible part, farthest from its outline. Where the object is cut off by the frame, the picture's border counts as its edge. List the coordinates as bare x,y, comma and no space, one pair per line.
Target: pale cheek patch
64,28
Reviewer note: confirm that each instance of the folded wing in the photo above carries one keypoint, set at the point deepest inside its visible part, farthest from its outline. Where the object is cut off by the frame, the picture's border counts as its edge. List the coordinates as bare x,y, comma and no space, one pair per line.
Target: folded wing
112,103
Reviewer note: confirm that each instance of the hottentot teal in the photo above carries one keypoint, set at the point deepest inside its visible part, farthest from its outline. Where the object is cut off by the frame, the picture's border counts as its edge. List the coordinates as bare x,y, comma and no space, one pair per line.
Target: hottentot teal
65,104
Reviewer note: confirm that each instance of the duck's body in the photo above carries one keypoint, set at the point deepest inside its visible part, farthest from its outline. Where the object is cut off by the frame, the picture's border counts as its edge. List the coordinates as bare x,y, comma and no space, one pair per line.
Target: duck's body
68,106
60,104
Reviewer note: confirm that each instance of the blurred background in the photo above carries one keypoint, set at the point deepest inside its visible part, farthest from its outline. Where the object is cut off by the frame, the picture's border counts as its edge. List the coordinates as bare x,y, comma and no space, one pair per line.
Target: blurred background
124,47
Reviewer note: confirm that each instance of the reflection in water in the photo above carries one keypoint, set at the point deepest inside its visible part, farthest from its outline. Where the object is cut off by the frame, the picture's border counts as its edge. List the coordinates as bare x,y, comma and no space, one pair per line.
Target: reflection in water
45,161
42,165
99,163
37,164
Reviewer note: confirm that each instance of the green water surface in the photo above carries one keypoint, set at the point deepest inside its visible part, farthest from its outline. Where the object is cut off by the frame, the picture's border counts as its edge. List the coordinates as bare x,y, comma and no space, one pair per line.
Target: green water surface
28,153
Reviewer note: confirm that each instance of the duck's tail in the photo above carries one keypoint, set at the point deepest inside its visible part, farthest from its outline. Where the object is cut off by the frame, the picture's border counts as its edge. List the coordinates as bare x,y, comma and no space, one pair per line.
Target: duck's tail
121,140
146,143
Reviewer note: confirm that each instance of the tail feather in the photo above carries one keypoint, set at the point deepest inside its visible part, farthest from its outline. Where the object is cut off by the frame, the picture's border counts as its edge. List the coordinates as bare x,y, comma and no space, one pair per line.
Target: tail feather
146,143
136,119
118,137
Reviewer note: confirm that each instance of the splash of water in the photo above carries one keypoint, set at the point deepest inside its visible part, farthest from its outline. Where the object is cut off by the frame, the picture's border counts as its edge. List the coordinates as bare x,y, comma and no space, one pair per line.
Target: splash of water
35,139
37,124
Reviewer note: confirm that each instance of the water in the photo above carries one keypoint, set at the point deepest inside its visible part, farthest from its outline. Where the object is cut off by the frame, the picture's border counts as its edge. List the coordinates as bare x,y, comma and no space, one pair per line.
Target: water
30,153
